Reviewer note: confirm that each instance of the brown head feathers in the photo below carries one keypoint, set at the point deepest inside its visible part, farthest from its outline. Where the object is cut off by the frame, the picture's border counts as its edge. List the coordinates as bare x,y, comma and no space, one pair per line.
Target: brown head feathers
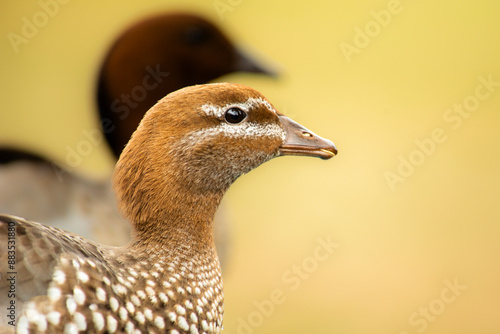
185,154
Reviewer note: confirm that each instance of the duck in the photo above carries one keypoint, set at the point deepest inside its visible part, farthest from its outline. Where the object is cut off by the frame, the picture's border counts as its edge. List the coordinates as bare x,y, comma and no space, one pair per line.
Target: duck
169,180
151,58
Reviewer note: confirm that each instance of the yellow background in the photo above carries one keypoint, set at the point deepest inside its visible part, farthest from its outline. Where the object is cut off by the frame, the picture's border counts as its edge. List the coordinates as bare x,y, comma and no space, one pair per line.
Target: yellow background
397,247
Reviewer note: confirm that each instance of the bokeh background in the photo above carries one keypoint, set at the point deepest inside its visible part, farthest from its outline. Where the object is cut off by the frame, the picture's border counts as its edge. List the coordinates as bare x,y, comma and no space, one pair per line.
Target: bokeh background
418,253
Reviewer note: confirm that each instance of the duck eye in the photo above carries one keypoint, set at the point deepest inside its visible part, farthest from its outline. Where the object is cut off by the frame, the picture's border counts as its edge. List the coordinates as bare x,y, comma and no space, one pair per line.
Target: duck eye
234,115
195,36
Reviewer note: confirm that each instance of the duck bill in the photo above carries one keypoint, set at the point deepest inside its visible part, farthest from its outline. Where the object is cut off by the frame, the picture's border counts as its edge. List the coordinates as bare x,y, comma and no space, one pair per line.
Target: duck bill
247,62
301,141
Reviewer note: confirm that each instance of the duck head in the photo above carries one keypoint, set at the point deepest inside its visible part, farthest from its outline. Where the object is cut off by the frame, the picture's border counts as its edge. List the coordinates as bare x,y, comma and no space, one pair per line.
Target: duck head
195,142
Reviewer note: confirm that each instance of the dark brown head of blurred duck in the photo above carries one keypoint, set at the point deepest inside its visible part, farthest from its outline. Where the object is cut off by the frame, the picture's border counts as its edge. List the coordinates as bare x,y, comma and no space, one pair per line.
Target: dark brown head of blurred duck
157,56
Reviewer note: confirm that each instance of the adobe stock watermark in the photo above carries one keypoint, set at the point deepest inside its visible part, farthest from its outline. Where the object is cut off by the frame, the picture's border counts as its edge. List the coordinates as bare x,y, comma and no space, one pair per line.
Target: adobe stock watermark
31,25
427,314
363,36
292,279
453,118
223,6
122,107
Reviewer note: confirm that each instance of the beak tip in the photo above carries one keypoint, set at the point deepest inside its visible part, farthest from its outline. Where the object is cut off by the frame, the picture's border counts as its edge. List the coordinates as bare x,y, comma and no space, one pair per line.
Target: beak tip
334,149
329,153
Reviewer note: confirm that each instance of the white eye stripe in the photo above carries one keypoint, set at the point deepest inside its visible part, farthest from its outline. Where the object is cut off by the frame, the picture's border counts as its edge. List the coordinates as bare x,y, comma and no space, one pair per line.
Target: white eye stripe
243,130
218,111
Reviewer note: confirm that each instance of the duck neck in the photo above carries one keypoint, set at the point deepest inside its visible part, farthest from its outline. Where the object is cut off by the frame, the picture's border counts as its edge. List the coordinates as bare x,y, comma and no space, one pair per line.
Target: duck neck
164,207
179,220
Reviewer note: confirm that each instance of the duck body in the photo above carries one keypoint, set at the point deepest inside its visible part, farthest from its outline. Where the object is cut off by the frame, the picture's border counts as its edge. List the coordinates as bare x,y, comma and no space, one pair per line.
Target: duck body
101,289
169,182
33,187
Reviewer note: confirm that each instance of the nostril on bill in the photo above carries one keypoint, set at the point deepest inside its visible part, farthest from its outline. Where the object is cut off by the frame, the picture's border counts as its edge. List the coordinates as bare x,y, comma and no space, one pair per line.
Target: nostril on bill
307,134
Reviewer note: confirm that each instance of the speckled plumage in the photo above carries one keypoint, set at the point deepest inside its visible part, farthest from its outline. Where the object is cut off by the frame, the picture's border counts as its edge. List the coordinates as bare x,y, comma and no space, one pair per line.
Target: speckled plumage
169,184
100,289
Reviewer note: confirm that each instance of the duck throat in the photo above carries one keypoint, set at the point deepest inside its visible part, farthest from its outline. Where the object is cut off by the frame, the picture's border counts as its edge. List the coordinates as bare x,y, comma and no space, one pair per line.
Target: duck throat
166,204
177,218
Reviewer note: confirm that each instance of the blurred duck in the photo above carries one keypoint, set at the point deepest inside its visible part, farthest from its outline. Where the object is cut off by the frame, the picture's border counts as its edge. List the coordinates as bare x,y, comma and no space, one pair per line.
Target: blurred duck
158,56
148,61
